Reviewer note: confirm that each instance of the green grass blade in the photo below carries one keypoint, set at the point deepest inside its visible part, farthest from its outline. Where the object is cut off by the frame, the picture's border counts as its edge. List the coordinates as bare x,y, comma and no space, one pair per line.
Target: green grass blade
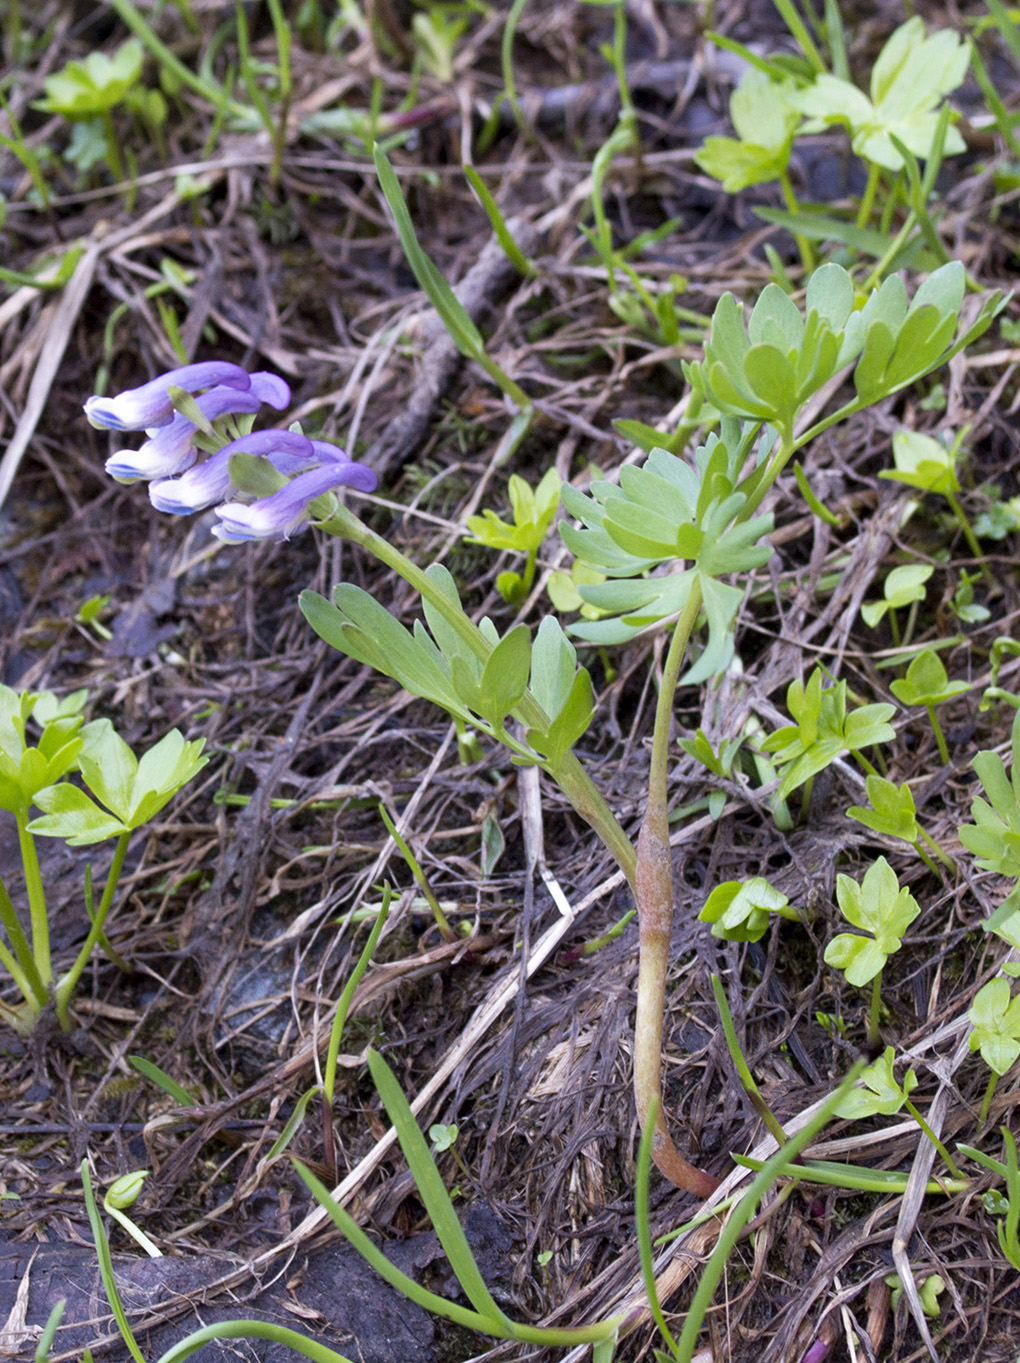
465,334
745,1209
506,52
799,29
433,1191
162,1080
340,1017
252,1329
106,1266
369,1251
45,1341
510,248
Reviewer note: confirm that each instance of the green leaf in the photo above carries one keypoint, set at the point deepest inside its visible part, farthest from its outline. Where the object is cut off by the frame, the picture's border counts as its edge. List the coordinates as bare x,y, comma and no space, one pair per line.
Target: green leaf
877,905
72,815
923,463
877,1090
926,682
505,675
739,910
893,810
995,1019
95,85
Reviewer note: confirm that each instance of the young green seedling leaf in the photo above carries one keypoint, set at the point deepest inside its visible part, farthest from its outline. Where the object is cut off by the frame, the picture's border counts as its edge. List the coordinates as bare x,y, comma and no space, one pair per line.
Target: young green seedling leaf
911,76
823,731
739,910
928,684
877,1090
995,1019
994,837
765,121
533,511
133,791
902,587
894,814
700,748
880,908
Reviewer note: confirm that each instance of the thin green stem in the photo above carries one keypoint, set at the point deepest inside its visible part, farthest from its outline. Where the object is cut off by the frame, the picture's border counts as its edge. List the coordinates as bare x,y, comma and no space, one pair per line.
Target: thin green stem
874,1036
973,543
65,986
36,902
442,922
868,198
940,737
24,972
986,1101
947,1158
894,626
743,1070
344,1003
942,855
568,773
804,247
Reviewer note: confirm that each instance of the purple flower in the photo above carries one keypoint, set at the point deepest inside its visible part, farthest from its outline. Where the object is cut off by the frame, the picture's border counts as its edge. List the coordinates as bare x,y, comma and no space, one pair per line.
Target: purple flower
139,409
210,482
171,449
275,516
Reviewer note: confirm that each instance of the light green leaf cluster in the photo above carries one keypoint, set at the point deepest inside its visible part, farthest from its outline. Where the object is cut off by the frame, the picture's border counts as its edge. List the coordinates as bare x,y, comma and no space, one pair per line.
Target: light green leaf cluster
995,1018
823,730
994,837
767,371
878,906
132,791
928,1292
765,119
739,910
700,748
437,664
892,811
923,462
27,768
926,682
901,587
668,510
877,1090
912,75
95,85
533,512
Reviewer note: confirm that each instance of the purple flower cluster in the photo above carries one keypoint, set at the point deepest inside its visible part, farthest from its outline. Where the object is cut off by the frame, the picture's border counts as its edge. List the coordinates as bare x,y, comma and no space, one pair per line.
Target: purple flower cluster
169,459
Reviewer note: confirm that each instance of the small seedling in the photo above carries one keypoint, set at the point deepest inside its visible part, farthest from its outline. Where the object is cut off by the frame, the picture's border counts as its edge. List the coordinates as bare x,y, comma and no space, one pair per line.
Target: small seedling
533,510
35,774
739,910
928,1290
1008,1207
824,730
879,907
994,837
995,1019
878,1092
930,466
967,609
912,75
927,683
91,89
903,587
120,1195
894,814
